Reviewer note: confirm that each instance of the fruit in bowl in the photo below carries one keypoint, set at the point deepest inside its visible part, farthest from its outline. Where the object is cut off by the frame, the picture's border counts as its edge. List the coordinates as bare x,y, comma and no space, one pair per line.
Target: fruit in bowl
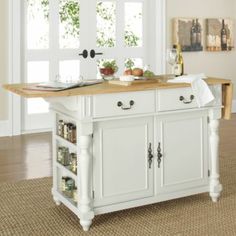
108,69
128,72
137,72
148,73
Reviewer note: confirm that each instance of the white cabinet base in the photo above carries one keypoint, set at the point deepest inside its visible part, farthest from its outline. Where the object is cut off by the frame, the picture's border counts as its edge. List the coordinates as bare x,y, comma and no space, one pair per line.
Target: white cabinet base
119,150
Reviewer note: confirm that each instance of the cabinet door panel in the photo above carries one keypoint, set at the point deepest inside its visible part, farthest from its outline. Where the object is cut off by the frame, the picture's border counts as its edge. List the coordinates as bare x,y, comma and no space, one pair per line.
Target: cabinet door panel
121,170
183,140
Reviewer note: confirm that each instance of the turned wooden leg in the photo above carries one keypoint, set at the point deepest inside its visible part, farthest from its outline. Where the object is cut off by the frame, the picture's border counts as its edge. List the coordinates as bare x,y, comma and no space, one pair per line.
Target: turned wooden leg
215,186
86,213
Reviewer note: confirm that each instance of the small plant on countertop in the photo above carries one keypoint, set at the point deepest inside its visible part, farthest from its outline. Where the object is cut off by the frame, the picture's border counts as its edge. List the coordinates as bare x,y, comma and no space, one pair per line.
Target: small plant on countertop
109,68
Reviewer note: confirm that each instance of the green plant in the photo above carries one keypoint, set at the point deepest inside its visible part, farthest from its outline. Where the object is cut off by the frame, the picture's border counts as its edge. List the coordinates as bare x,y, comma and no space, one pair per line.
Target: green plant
129,63
110,64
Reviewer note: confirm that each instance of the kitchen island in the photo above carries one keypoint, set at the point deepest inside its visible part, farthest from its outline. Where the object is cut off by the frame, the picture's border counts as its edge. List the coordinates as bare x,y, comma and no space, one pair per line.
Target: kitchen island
135,145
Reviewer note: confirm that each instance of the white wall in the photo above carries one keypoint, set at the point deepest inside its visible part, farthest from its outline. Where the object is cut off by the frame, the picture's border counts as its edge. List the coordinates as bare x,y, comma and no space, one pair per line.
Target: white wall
218,64
3,58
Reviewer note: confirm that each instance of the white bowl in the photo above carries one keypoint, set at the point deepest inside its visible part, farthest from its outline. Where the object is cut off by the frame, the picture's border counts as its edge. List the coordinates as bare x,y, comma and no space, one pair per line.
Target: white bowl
126,78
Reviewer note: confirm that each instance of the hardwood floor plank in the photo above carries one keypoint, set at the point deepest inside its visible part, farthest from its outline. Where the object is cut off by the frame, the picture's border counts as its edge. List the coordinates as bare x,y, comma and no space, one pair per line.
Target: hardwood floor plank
25,157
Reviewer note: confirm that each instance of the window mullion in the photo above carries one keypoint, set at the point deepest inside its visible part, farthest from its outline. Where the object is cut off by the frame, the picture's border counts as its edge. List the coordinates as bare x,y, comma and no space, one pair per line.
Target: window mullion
53,38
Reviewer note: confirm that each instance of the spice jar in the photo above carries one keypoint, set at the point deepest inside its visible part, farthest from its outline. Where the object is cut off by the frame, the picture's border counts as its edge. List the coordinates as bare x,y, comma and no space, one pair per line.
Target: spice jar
63,183
75,195
73,162
65,131
69,131
73,135
60,128
63,156
70,184
59,155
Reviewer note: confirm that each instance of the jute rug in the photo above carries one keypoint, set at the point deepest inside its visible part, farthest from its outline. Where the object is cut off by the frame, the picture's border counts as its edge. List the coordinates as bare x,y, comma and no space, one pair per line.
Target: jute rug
26,208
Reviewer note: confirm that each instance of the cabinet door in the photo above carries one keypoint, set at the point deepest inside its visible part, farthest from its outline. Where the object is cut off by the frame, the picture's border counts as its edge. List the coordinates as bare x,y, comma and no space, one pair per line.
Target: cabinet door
182,139
121,168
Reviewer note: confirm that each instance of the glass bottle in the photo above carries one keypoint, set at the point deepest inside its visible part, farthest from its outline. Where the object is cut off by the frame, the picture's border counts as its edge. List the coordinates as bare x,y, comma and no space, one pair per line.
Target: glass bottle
193,35
223,36
198,34
179,63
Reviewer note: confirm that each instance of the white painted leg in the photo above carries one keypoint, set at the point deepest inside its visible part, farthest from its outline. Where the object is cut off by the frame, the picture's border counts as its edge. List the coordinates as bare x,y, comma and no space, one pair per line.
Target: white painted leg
215,186
55,199
86,212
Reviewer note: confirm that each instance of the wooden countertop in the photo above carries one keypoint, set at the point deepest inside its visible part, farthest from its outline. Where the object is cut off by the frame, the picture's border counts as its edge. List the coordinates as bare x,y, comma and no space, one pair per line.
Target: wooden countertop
103,88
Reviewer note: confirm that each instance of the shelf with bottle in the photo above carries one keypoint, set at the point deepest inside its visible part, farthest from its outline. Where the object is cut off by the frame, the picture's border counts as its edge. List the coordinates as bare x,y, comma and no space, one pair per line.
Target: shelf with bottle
66,128
68,189
67,171
67,158
66,143
67,186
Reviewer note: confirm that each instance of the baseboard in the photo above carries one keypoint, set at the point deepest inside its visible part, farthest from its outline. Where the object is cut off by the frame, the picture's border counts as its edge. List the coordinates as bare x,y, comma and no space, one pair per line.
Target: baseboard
234,106
5,128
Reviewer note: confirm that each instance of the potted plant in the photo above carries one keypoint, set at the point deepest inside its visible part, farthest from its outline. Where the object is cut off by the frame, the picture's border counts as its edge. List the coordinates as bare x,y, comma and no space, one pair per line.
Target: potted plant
108,69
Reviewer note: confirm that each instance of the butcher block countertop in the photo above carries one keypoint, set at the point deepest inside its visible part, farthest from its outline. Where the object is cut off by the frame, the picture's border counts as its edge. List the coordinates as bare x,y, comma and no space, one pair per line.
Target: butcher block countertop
160,82
103,88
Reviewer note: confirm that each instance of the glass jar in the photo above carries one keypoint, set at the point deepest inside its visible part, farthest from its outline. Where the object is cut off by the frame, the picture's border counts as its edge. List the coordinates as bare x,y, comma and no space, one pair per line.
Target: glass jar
66,131
70,132
63,183
63,156
60,128
60,155
70,185
73,162
73,136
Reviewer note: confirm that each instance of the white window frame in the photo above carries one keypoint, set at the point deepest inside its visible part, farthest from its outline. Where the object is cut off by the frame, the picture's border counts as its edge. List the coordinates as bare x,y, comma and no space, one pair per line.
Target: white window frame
16,57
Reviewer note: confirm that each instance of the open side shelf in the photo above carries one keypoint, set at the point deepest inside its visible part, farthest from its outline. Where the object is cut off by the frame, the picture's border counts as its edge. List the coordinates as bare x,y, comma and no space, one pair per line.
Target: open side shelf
68,172
66,143
67,202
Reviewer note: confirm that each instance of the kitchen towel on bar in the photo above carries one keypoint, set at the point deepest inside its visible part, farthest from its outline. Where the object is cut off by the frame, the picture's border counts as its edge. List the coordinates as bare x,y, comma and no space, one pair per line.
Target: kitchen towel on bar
200,88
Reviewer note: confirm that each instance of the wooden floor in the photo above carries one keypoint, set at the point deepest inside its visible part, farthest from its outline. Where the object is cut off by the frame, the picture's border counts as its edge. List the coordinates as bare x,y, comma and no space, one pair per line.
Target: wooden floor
29,156
25,157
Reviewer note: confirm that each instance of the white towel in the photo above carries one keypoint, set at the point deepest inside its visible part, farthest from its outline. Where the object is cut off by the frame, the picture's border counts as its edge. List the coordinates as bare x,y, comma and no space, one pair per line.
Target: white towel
200,88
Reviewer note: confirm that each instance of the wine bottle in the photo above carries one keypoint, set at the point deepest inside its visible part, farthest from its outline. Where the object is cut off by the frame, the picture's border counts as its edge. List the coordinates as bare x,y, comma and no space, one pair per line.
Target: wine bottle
193,35
179,62
223,37
198,34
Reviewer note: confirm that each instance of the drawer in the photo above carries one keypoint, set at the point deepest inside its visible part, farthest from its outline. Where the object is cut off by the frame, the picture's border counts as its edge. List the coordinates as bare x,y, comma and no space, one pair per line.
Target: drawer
175,99
120,104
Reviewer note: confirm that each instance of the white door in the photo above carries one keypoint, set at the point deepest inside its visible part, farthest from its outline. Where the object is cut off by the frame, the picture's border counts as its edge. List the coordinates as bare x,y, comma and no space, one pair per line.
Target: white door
57,32
181,145
121,152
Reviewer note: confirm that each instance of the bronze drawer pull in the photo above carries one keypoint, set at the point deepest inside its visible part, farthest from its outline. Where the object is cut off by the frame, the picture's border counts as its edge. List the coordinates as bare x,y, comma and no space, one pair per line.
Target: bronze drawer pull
182,99
120,104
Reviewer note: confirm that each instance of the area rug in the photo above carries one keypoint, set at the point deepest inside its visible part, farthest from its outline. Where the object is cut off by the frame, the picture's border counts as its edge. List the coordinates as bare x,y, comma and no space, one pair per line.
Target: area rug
27,208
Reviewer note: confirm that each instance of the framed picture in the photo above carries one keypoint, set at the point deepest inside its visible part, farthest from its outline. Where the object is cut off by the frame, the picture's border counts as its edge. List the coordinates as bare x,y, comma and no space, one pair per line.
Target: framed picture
188,33
219,34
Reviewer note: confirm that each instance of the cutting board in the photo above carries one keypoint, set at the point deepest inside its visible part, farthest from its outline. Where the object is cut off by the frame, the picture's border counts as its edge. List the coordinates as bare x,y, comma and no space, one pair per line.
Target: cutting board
129,83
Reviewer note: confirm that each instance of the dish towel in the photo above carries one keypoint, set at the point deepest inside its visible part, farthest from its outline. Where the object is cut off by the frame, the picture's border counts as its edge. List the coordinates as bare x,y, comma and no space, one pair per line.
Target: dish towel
200,88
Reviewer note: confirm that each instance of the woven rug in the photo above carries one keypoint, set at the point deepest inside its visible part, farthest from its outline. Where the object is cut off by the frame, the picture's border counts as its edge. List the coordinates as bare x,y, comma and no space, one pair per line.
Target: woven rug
27,208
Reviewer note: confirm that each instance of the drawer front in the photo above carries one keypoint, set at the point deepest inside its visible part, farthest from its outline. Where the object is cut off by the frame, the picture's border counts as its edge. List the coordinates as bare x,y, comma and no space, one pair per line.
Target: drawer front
175,99
119,104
